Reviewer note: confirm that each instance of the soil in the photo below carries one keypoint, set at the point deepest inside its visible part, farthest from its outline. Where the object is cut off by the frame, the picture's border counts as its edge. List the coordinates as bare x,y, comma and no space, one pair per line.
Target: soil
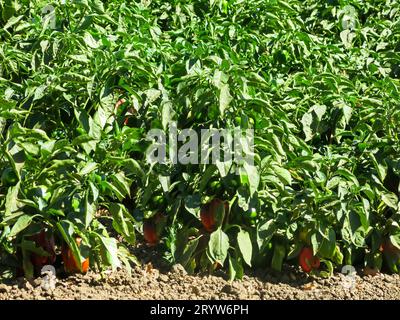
155,280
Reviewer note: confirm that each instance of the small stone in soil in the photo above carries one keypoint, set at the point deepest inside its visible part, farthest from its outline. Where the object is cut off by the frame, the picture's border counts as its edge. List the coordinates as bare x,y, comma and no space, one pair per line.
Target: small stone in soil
227,288
163,277
3,288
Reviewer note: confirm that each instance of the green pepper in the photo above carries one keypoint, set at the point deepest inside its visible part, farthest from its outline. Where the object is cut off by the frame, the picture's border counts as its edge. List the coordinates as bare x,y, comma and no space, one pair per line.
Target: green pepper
9,178
238,121
215,187
252,213
158,201
279,255
80,131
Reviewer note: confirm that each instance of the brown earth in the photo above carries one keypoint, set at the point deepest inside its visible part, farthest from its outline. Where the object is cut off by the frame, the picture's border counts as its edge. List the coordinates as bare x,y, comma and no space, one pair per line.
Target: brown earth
150,283
162,282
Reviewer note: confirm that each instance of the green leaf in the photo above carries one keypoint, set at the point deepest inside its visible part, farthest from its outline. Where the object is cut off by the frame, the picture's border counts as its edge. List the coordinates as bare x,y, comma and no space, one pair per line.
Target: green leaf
31,246
337,256
88,168
220,214
253,177
89,210
327,244
134,167
265,233
11,205
27,264
94,190
123,184
166,115
193,203
224,98
123,222
235,268
245,246
329,266
314,243
278,145
97,6
206,176
379,167
311,120
22,223
66,229
218,246
348,175
188,251
90,41
110,250
283,174
306,121
115,190
390,199
39,92
395,240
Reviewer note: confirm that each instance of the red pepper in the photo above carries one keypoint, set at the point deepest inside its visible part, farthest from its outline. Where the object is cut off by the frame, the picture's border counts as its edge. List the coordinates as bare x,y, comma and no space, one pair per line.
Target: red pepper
389,248
131,110
208,213
70,264
152,228
307,260
207,219
150,232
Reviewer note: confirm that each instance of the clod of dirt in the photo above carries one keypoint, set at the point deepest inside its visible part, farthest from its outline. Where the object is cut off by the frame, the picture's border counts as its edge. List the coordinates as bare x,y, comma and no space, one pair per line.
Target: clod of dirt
179,269
368,271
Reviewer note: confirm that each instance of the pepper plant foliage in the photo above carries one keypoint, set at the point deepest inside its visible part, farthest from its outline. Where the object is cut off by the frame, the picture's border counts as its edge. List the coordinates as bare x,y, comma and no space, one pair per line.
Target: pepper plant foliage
318,81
